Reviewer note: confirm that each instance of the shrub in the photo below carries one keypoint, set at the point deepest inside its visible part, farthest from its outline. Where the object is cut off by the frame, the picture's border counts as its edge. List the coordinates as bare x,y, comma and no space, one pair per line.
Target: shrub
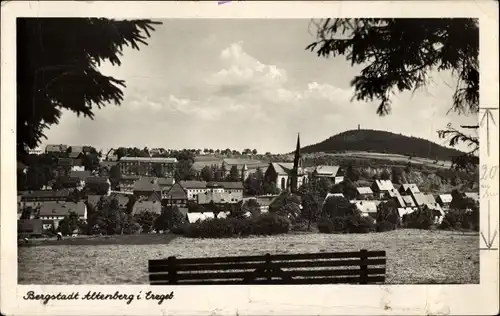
421,219
346,224
264,224
384,226
465,219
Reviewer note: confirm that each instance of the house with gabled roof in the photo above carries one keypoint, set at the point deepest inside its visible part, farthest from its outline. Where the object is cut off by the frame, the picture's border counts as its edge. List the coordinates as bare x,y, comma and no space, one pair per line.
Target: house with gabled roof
177,195
408,199
364,192
330,172
56,211
444,200
145,186
382,188
193,188
408,188
56,148
281,174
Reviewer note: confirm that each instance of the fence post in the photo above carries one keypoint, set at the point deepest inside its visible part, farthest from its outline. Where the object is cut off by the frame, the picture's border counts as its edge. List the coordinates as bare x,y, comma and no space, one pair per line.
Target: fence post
364,266
172,270
268,267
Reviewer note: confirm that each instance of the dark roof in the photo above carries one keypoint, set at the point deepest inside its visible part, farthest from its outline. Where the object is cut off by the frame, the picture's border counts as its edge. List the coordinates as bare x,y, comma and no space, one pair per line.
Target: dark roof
46,193
61,208
193,184
214,185
146,184
232,185
166,181
155,196
108,164
177,192
77,162
82,175
69,180
96,180
74,154
56,148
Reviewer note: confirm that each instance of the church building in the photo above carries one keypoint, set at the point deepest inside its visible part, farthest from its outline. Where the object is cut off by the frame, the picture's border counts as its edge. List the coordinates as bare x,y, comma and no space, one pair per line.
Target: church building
288,176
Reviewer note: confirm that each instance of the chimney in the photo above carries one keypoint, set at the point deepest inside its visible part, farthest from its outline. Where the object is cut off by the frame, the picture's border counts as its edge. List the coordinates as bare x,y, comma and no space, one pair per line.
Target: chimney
359,127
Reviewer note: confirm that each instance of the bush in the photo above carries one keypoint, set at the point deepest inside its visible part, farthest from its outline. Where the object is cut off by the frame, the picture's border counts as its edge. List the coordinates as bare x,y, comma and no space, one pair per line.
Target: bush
421,219
385,226
464,219
347,224
264,224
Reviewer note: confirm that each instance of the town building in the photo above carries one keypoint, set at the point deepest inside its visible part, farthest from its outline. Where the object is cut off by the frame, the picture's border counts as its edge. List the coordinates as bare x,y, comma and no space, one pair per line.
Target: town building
382,188
51,213
444,200
145,186
193,188
56,149
176,195
218,198
364,193
147,166
408,188
126,183
35,198
329,172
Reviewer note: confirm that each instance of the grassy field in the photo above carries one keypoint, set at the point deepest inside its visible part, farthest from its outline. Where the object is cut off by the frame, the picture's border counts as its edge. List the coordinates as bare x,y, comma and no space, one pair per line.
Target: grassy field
414,256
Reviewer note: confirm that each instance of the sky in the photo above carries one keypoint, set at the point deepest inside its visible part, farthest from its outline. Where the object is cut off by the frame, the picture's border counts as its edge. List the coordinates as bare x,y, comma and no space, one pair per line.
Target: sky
242,83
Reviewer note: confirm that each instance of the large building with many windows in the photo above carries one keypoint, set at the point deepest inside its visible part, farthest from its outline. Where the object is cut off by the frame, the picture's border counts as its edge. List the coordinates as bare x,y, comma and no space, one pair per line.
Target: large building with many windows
147,166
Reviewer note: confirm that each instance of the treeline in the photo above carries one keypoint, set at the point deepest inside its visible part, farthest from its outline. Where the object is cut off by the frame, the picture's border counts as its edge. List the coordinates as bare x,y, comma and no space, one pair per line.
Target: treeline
383,142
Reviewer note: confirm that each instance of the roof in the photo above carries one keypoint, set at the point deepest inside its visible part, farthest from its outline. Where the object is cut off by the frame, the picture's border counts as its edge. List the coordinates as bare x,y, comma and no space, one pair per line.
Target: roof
69,180
82,175
445,198
129,178
150,159
97,180
430,198
147,206
155,196
46,193
283,168
74,154
166,181
364,190
384,185
405,210
419,199
76,149
265,200
177,192
193,217
366,206
410,186
191,184
408,200
472,195
232,185
56,148
399,199
327,170
146,184
61,208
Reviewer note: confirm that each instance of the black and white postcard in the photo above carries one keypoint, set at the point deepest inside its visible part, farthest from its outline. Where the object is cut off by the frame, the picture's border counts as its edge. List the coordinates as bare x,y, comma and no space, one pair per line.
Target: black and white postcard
249,158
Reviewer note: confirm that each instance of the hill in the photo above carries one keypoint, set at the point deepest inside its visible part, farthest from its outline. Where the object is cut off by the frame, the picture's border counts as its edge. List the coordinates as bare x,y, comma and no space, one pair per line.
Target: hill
382,142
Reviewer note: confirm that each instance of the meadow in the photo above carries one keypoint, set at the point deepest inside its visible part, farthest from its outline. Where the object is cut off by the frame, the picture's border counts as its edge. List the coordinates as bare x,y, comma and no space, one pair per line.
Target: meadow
413,256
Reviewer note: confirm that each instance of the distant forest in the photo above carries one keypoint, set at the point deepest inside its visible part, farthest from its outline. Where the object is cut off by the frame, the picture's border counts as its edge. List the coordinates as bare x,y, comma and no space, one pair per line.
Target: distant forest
382,142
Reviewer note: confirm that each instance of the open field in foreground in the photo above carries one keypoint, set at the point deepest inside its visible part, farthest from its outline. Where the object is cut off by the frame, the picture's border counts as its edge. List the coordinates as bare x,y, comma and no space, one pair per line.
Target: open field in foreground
414,256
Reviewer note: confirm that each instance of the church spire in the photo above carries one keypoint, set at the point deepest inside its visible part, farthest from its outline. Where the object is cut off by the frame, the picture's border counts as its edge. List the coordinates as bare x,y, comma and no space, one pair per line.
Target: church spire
297,163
